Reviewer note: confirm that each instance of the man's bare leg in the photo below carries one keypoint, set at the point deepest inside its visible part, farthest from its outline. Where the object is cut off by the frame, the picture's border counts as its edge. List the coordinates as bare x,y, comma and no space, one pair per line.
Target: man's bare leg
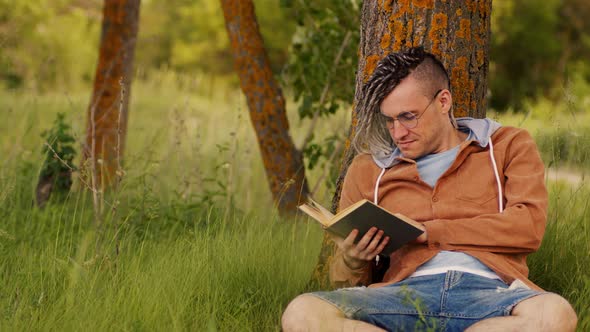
547,312
309,313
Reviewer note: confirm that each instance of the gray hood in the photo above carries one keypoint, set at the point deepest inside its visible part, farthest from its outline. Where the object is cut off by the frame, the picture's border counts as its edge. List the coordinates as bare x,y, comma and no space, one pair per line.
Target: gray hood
481,129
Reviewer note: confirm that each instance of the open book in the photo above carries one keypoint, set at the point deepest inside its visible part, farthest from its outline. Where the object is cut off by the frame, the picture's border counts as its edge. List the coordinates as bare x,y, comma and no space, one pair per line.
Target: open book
363,215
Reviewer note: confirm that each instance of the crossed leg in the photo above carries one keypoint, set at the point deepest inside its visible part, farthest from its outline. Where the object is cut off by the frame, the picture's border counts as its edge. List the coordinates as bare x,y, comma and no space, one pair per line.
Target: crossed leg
546,312
309,313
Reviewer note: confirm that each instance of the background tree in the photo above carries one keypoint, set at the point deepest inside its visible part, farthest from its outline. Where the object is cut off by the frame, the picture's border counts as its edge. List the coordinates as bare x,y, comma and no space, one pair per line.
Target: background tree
282,161
108,111
535,47
457,32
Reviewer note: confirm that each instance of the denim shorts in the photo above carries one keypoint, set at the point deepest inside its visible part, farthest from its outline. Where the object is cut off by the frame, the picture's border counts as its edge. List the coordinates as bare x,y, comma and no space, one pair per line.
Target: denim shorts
449,301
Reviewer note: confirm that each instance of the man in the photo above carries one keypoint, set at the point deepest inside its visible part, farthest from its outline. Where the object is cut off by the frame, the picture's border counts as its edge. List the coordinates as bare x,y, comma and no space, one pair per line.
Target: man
478,191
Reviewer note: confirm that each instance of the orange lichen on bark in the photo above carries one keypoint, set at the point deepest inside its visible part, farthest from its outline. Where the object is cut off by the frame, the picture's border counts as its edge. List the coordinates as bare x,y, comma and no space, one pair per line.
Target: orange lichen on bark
459,12
370,65
399,33
385,41
470,4
429,4
438,32
480,57
485,8
439,22
107,113
410,28
403,7
478,39
385,6
485,11
464,29
462,87
282,162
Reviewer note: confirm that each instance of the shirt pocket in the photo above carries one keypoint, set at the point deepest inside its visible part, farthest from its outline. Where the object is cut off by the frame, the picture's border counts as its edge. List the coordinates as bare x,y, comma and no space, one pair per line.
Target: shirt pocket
476,182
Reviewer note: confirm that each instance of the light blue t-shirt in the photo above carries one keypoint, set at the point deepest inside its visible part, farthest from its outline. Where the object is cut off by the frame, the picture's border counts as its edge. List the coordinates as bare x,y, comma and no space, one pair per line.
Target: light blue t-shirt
431,167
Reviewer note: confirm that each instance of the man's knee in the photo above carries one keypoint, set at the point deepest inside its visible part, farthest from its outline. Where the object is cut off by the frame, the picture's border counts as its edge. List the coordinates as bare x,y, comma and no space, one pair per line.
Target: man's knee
304,310
551,311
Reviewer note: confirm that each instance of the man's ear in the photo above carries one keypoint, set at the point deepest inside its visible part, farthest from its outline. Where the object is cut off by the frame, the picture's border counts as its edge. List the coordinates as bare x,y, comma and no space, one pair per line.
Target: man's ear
446,101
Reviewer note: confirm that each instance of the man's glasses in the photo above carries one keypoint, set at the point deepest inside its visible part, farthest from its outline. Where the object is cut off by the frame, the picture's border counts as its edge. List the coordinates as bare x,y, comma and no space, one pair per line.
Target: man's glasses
407,119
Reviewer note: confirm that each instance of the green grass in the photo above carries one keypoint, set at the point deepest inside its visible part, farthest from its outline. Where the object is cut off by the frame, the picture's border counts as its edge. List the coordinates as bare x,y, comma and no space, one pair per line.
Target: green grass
562,264
214,270
561,132
190,241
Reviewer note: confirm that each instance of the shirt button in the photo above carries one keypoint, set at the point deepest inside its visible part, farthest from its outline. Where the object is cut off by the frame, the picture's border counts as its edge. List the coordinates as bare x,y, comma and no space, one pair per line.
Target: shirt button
435,199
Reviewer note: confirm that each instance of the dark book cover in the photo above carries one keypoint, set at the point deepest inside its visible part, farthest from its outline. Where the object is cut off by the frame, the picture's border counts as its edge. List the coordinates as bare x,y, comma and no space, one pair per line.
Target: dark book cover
368,215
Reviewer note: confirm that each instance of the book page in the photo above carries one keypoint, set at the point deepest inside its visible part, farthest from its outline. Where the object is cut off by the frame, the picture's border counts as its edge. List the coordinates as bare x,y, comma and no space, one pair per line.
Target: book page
315,214
327,214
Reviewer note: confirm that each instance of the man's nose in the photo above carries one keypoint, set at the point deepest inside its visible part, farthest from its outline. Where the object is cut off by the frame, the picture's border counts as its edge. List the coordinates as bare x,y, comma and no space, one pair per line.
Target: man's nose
399,130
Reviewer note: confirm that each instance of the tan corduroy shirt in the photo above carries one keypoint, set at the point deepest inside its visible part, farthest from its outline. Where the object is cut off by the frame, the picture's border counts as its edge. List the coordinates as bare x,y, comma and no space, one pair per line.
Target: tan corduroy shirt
461,212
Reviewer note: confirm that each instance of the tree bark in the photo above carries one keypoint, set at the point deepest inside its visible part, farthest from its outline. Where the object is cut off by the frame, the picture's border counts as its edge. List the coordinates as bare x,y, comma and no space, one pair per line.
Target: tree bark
283,163
108,110
457,32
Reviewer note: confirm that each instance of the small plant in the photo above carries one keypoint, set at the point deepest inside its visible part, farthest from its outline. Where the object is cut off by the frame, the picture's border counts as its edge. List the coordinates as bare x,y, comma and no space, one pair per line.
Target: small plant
56,173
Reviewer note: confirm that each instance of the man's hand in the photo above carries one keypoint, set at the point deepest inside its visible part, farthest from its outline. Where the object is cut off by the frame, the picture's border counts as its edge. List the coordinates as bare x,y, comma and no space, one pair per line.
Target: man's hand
358,255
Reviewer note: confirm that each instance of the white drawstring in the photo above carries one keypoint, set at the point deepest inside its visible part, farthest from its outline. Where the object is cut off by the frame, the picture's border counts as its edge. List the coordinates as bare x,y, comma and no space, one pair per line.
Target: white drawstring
500,196
375,200
376,191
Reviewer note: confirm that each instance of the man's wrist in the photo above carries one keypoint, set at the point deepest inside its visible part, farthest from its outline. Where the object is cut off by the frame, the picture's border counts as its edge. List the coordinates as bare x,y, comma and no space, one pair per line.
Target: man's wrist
354,266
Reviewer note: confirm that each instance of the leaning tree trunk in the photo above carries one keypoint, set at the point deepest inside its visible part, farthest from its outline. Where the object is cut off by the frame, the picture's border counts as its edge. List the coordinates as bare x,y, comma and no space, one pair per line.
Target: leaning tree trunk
108,110
282,161
457,32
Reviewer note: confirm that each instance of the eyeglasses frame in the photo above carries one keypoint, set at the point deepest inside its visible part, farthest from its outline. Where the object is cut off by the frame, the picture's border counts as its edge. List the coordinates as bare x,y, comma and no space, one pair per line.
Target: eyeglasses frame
416,117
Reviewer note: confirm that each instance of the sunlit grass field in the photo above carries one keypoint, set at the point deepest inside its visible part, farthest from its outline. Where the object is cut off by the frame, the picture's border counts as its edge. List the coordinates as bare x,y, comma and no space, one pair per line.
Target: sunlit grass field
190,240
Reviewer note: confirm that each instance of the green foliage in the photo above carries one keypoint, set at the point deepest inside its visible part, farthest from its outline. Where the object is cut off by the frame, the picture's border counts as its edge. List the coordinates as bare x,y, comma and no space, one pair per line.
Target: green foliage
537,48
320,155
189,35
47,44
319,78
53,44
321,69
534,49
59,153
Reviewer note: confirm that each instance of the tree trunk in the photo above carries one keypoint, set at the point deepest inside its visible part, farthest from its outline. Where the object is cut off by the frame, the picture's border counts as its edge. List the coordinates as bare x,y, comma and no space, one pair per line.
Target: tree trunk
457,32
282,161
108,110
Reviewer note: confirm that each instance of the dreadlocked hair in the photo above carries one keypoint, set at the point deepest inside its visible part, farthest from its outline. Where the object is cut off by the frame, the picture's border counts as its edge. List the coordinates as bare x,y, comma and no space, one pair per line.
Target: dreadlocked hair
372,135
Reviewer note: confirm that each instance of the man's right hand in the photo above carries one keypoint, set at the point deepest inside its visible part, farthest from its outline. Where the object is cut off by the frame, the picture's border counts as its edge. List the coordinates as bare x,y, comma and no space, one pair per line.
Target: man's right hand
358,255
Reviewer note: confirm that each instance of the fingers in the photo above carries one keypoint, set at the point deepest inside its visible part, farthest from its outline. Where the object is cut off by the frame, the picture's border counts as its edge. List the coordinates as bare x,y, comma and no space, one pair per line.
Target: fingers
369,246
366,240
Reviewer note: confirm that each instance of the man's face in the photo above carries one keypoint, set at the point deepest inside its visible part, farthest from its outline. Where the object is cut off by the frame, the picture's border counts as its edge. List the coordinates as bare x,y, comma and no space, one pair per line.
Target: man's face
429,134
